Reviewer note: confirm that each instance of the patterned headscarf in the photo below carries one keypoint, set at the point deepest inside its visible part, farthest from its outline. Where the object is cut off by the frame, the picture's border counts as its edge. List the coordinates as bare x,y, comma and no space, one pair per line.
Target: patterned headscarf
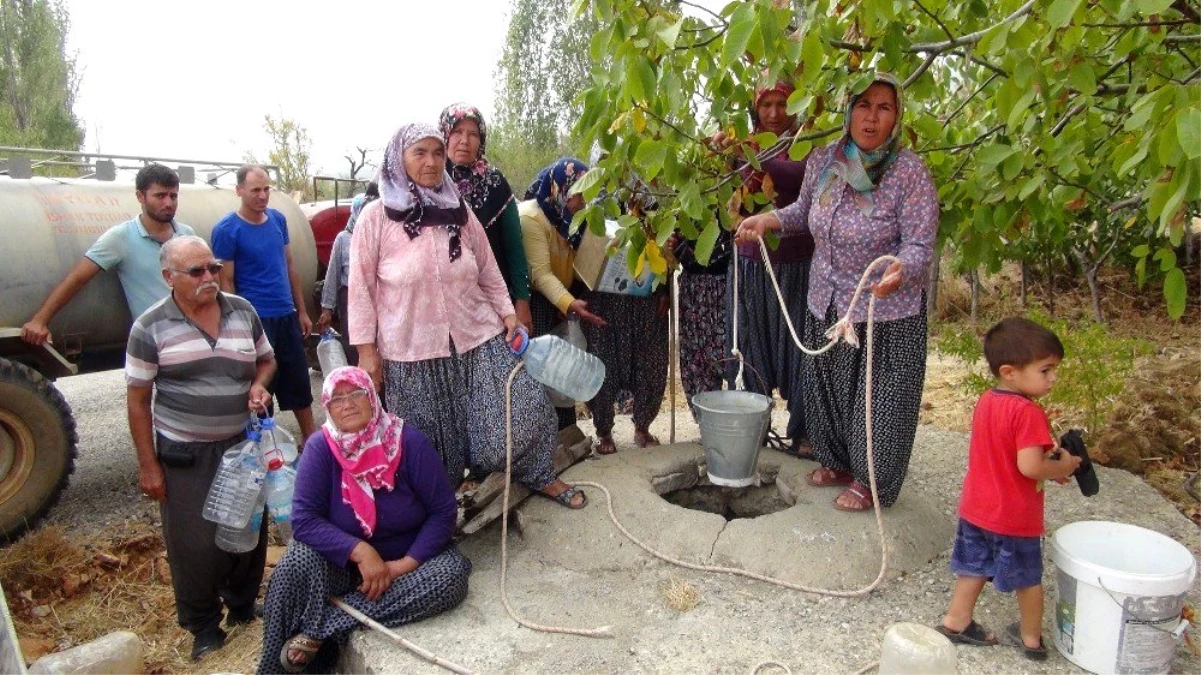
551,188
370,457
483,187
413,205
781,87
754,178
861,170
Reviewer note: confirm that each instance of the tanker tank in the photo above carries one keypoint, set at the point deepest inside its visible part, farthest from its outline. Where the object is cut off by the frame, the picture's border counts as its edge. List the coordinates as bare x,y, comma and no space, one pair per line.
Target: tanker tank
48,225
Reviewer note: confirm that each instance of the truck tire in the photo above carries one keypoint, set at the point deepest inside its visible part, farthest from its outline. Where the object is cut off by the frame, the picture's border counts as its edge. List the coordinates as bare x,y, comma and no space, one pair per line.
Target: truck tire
37,447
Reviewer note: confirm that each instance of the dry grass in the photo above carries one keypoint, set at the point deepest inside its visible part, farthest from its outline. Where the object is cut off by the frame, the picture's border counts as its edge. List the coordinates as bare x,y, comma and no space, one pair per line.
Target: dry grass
680,596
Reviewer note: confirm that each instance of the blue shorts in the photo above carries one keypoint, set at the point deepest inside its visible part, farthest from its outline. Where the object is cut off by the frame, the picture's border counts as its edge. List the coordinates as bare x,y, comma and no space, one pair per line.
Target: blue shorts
1010,563
291,382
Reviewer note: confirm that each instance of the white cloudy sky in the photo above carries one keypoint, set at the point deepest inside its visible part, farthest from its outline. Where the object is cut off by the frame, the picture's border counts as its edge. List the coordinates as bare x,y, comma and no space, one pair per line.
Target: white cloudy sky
193,80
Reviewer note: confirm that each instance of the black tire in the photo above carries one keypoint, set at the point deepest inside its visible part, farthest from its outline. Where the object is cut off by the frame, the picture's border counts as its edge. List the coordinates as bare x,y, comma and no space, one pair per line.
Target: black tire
37,448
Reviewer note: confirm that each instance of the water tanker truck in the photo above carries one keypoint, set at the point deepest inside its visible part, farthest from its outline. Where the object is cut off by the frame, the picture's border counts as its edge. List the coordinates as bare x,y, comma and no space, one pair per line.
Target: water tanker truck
47,225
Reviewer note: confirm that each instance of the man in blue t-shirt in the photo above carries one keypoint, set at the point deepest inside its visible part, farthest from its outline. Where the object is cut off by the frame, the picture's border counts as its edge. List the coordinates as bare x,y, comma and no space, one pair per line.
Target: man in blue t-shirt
130,249
253,243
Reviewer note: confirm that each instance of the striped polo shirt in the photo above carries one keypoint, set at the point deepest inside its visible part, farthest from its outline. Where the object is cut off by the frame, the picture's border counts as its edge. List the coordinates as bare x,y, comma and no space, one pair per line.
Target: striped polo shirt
201,384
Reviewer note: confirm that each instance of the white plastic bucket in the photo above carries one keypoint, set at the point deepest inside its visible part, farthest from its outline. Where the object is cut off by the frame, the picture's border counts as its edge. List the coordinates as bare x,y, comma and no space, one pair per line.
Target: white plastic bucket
732,426
1119,595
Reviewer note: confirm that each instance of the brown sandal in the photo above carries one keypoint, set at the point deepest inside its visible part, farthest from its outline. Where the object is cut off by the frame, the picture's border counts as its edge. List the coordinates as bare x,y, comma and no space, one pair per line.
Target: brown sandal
606,446
824,477
644,439
861,496
299,643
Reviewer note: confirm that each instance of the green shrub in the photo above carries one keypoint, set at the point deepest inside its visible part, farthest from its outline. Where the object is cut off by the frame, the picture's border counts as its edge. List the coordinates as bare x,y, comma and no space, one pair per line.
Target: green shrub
1092,375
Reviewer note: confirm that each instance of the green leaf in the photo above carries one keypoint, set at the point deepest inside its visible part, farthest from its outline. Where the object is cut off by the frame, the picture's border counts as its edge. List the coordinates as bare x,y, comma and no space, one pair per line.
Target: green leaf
1175,291
590,183
1083,79
766,139
650,157
1030,186
644,73
799,150
1013,166
1061,12
670,34
1188,132
742,24
1140,251
1166,258
992,155
1148,7
705,243
813,55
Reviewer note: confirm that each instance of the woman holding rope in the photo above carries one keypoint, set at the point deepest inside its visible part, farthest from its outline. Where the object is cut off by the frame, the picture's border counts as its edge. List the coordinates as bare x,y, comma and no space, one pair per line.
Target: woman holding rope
864,196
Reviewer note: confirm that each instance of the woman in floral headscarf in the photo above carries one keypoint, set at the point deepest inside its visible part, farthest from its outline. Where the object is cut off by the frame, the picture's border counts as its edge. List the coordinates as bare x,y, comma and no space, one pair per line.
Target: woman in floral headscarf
865,196
550,244
486,191
431,318
372,519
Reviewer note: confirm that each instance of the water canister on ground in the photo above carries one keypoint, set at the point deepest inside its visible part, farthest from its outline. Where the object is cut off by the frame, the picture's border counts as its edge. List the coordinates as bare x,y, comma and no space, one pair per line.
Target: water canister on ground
561,366
330,353
244,539
1119,596
236,486
281,480
913,649
276,438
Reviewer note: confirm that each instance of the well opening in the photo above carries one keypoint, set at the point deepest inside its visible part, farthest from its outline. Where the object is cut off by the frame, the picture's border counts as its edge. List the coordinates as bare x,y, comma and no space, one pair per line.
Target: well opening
729,503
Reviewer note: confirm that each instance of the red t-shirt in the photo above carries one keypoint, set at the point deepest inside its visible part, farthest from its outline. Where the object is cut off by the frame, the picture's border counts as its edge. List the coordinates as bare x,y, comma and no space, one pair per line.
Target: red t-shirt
996,496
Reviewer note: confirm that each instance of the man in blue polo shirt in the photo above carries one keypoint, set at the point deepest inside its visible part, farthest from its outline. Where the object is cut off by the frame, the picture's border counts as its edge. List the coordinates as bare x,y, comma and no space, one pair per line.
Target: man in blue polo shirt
253,244
131,248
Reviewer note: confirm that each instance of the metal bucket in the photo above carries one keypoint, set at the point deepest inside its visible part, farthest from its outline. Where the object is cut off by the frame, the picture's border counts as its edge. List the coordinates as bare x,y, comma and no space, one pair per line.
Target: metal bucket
732,427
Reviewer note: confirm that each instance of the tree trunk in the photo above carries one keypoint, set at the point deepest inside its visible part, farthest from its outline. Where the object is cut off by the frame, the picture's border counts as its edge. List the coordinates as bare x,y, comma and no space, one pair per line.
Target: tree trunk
1050,287
1090,275
1025,281
974,276
932,286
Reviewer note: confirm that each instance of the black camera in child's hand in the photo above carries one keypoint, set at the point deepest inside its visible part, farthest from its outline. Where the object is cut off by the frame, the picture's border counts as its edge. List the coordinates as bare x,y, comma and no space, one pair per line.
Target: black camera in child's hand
1086,477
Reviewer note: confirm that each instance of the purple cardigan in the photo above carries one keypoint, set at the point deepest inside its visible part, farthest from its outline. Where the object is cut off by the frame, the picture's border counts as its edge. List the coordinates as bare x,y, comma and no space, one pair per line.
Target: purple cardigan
416,518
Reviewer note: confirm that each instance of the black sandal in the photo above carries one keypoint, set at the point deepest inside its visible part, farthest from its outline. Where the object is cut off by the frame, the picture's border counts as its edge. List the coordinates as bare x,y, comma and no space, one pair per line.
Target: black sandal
1014,633
567,495
974,634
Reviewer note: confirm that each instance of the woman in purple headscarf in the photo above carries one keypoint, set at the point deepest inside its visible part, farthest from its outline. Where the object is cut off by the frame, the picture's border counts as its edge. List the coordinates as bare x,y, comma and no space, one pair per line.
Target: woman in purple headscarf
431,317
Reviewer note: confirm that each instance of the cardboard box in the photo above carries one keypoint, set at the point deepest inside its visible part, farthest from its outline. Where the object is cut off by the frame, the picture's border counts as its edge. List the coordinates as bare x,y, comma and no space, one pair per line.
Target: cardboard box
609,274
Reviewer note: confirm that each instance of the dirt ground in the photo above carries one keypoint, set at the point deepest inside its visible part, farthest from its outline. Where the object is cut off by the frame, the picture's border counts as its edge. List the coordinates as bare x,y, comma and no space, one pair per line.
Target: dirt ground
65,588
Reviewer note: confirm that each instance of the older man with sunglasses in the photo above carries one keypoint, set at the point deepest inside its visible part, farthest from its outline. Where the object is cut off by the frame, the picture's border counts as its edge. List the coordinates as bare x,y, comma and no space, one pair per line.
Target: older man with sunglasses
202,358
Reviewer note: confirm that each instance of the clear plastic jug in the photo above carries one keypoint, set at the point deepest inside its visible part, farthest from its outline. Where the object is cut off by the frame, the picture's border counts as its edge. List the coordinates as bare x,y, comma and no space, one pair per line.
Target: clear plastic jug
330,353
236,487
281,481
560,365
244,539
572,333
276,442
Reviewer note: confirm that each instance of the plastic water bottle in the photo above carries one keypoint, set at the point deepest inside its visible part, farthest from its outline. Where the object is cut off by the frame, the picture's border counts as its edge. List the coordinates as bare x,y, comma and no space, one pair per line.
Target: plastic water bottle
571,332
243,539
237,485
280,482
560,365
277,442
329,352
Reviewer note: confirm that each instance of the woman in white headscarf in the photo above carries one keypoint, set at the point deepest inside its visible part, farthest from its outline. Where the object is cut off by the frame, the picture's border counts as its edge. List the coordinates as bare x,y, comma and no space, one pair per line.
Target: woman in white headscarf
431,317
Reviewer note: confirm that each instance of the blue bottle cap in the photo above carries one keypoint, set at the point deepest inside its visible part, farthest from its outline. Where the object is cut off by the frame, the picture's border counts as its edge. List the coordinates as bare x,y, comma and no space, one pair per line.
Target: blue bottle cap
267,423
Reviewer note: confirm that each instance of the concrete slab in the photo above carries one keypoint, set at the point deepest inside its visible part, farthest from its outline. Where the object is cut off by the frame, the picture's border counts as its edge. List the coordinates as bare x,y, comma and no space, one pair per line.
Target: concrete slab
573,568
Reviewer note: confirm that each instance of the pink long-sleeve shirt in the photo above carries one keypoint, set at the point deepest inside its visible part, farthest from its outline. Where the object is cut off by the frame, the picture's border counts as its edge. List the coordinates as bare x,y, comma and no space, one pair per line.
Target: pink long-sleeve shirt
410,300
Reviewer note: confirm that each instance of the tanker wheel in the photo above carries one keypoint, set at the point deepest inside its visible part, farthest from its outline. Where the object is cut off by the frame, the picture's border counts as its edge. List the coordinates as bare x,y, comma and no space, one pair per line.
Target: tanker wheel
37,447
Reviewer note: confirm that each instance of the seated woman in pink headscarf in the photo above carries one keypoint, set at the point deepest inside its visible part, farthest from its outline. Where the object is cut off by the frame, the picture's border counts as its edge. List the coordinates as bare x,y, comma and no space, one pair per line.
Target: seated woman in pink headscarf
372,517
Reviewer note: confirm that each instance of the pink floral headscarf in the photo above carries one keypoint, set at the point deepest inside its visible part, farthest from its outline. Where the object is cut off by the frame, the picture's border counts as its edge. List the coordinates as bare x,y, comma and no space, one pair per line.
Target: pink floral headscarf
370,456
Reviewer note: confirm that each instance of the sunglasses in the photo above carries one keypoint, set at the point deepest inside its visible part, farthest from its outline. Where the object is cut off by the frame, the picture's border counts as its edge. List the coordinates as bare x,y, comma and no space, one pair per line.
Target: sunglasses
197,271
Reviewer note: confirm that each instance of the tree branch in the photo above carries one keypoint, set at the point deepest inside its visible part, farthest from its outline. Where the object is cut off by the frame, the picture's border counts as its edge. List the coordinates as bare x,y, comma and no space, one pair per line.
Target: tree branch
1129,202
1178,39
1186,9
668,124
996,70
1067,117
967,100
934,16
929,60
971,38
702,8
1139,24
964,146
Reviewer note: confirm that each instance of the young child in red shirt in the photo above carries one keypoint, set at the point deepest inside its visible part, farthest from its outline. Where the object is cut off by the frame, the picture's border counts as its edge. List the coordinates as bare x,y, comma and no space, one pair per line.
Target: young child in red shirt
1001,508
